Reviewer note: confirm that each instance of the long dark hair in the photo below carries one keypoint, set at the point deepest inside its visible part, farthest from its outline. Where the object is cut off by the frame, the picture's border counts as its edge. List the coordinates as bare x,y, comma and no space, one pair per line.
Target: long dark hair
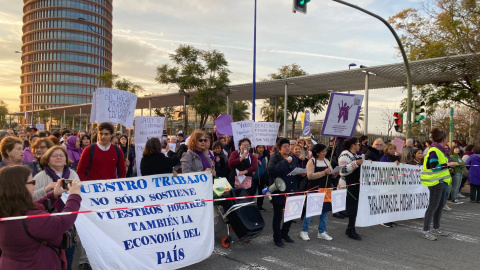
15,198
348,143
152,146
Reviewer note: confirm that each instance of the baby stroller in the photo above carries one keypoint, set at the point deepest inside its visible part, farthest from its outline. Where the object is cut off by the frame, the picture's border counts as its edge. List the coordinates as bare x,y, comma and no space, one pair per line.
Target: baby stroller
241,216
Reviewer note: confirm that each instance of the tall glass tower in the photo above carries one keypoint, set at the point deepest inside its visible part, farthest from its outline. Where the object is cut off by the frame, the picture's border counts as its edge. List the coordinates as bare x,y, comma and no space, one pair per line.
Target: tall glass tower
63,42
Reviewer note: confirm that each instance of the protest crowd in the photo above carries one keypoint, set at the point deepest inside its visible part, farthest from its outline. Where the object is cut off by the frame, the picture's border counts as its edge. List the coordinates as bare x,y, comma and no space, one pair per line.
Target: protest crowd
36,165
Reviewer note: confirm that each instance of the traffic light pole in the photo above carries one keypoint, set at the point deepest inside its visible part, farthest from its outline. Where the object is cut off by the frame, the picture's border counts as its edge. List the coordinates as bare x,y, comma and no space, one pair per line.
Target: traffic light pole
405,61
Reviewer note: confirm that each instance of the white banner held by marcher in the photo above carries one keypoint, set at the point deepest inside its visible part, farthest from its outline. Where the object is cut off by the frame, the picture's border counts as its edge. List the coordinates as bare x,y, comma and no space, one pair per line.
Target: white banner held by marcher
339,200
314,204
265,133
342,115
173,146
40,126
400,197
293,207
115,106
157,237
242,129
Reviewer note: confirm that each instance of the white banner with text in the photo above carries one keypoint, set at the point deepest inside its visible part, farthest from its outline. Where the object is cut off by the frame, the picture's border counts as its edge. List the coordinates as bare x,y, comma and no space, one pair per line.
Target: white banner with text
158,237
399,197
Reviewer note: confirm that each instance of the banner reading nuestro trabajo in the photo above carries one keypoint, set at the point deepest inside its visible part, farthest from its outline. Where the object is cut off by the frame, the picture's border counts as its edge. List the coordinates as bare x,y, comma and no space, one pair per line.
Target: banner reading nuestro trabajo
158,237
399,197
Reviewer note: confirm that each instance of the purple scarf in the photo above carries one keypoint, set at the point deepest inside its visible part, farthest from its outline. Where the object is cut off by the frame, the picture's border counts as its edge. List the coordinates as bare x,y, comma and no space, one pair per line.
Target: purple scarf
441,148
59,205
205,162
73,152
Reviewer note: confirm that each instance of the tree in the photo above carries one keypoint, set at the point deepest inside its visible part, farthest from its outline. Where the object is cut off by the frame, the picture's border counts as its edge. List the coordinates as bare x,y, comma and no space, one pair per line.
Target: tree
298,104
240,111
44,116
268,112
202,76
3,114
443,28
110,80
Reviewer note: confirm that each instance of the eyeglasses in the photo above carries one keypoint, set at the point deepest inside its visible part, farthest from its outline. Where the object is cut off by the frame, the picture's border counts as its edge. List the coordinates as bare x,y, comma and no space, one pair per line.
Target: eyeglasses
41,147
246,145
57,156
30,182
202,140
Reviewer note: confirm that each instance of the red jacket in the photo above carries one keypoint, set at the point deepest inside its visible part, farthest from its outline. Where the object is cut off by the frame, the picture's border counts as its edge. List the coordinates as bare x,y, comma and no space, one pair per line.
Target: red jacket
234,161
104,164
19,251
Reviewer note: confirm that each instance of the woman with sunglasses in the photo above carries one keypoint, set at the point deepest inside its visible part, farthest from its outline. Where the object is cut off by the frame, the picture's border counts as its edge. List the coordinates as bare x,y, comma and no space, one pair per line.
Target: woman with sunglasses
196,159
19,249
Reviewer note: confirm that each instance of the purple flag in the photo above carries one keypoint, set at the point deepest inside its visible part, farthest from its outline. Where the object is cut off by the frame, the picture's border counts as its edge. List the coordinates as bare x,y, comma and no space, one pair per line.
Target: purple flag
306,126
224,124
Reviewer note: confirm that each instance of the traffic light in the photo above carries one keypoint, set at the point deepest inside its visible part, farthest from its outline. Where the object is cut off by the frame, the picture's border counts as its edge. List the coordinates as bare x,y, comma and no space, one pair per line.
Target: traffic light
417,110
398,121
300,6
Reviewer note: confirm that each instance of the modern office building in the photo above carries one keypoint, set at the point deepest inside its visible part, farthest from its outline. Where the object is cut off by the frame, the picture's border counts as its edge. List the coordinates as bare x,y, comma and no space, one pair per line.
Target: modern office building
63,41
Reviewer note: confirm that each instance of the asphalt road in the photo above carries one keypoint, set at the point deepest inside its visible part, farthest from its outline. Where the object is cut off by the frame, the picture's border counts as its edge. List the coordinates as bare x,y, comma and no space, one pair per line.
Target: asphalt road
400,247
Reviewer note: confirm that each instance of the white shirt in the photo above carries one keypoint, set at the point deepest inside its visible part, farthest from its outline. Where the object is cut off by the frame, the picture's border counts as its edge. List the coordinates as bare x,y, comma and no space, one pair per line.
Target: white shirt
102,147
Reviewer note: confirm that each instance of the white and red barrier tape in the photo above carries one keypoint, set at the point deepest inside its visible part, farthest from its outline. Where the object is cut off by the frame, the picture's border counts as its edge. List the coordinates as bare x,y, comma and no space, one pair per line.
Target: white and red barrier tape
212,200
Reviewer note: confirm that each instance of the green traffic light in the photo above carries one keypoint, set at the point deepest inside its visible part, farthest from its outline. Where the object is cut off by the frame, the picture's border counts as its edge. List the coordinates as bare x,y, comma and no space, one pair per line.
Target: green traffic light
303,2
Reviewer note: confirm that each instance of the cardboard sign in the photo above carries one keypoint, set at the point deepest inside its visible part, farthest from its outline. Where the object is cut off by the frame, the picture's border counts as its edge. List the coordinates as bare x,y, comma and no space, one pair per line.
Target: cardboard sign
342,115
113,105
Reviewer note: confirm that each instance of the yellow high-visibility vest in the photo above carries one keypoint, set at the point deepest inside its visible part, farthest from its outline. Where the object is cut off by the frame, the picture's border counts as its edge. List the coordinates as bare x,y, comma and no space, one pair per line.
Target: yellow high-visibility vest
430,178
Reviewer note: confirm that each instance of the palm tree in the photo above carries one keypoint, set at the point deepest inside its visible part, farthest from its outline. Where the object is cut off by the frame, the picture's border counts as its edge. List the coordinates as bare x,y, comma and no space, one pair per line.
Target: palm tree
240,111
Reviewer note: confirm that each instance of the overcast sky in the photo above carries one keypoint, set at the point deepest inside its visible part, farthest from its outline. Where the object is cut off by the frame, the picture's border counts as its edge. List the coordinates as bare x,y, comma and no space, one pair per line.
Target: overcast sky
145,32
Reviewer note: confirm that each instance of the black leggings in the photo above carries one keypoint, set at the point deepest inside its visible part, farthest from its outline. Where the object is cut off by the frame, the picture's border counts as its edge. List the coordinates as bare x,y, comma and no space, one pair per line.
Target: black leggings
351,221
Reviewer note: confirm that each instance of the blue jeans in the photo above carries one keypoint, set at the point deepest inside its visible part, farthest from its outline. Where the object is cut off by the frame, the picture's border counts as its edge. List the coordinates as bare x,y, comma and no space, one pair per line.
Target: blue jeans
322,225
456,181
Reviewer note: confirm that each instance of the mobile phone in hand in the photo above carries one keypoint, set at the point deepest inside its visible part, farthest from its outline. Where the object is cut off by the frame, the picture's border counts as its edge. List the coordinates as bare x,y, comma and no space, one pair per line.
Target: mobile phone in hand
66,182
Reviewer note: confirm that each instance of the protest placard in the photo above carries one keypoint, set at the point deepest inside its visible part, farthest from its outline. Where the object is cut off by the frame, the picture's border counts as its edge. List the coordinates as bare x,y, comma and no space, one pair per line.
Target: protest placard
158,237
314,204
342,115
224,124
259,133
147,127
242,129
399,143
293,207
400,197
265,133
113,105
339,200
40,126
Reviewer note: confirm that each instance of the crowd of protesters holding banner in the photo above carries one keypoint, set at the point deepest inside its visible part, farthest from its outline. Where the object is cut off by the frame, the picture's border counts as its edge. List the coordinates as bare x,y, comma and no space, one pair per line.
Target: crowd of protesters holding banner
35,165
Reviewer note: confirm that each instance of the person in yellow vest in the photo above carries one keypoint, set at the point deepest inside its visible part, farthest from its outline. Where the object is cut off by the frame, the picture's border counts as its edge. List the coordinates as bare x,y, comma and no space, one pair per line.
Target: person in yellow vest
436,176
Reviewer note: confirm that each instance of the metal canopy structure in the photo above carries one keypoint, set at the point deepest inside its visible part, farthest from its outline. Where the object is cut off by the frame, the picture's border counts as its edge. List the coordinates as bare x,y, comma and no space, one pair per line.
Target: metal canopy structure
435,70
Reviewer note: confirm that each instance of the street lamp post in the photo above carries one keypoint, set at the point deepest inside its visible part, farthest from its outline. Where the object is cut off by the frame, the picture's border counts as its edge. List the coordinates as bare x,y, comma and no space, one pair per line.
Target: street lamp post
33,83
349,66
100,49
404,56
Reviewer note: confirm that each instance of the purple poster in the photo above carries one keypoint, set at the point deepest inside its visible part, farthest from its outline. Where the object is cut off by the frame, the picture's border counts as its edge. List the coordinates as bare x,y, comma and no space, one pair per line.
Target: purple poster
342,115
306,126
224,124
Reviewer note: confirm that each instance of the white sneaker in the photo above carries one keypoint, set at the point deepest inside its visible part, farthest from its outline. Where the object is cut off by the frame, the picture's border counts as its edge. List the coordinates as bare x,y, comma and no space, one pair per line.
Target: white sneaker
324,236
460,195
304,236
447,208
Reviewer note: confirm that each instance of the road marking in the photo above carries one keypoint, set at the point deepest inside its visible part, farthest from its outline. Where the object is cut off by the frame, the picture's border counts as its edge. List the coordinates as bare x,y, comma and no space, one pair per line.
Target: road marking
454,236
282,263
318,253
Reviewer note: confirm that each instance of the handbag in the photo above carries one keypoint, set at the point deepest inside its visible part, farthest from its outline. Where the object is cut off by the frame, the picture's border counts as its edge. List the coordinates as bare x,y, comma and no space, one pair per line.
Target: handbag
246,184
